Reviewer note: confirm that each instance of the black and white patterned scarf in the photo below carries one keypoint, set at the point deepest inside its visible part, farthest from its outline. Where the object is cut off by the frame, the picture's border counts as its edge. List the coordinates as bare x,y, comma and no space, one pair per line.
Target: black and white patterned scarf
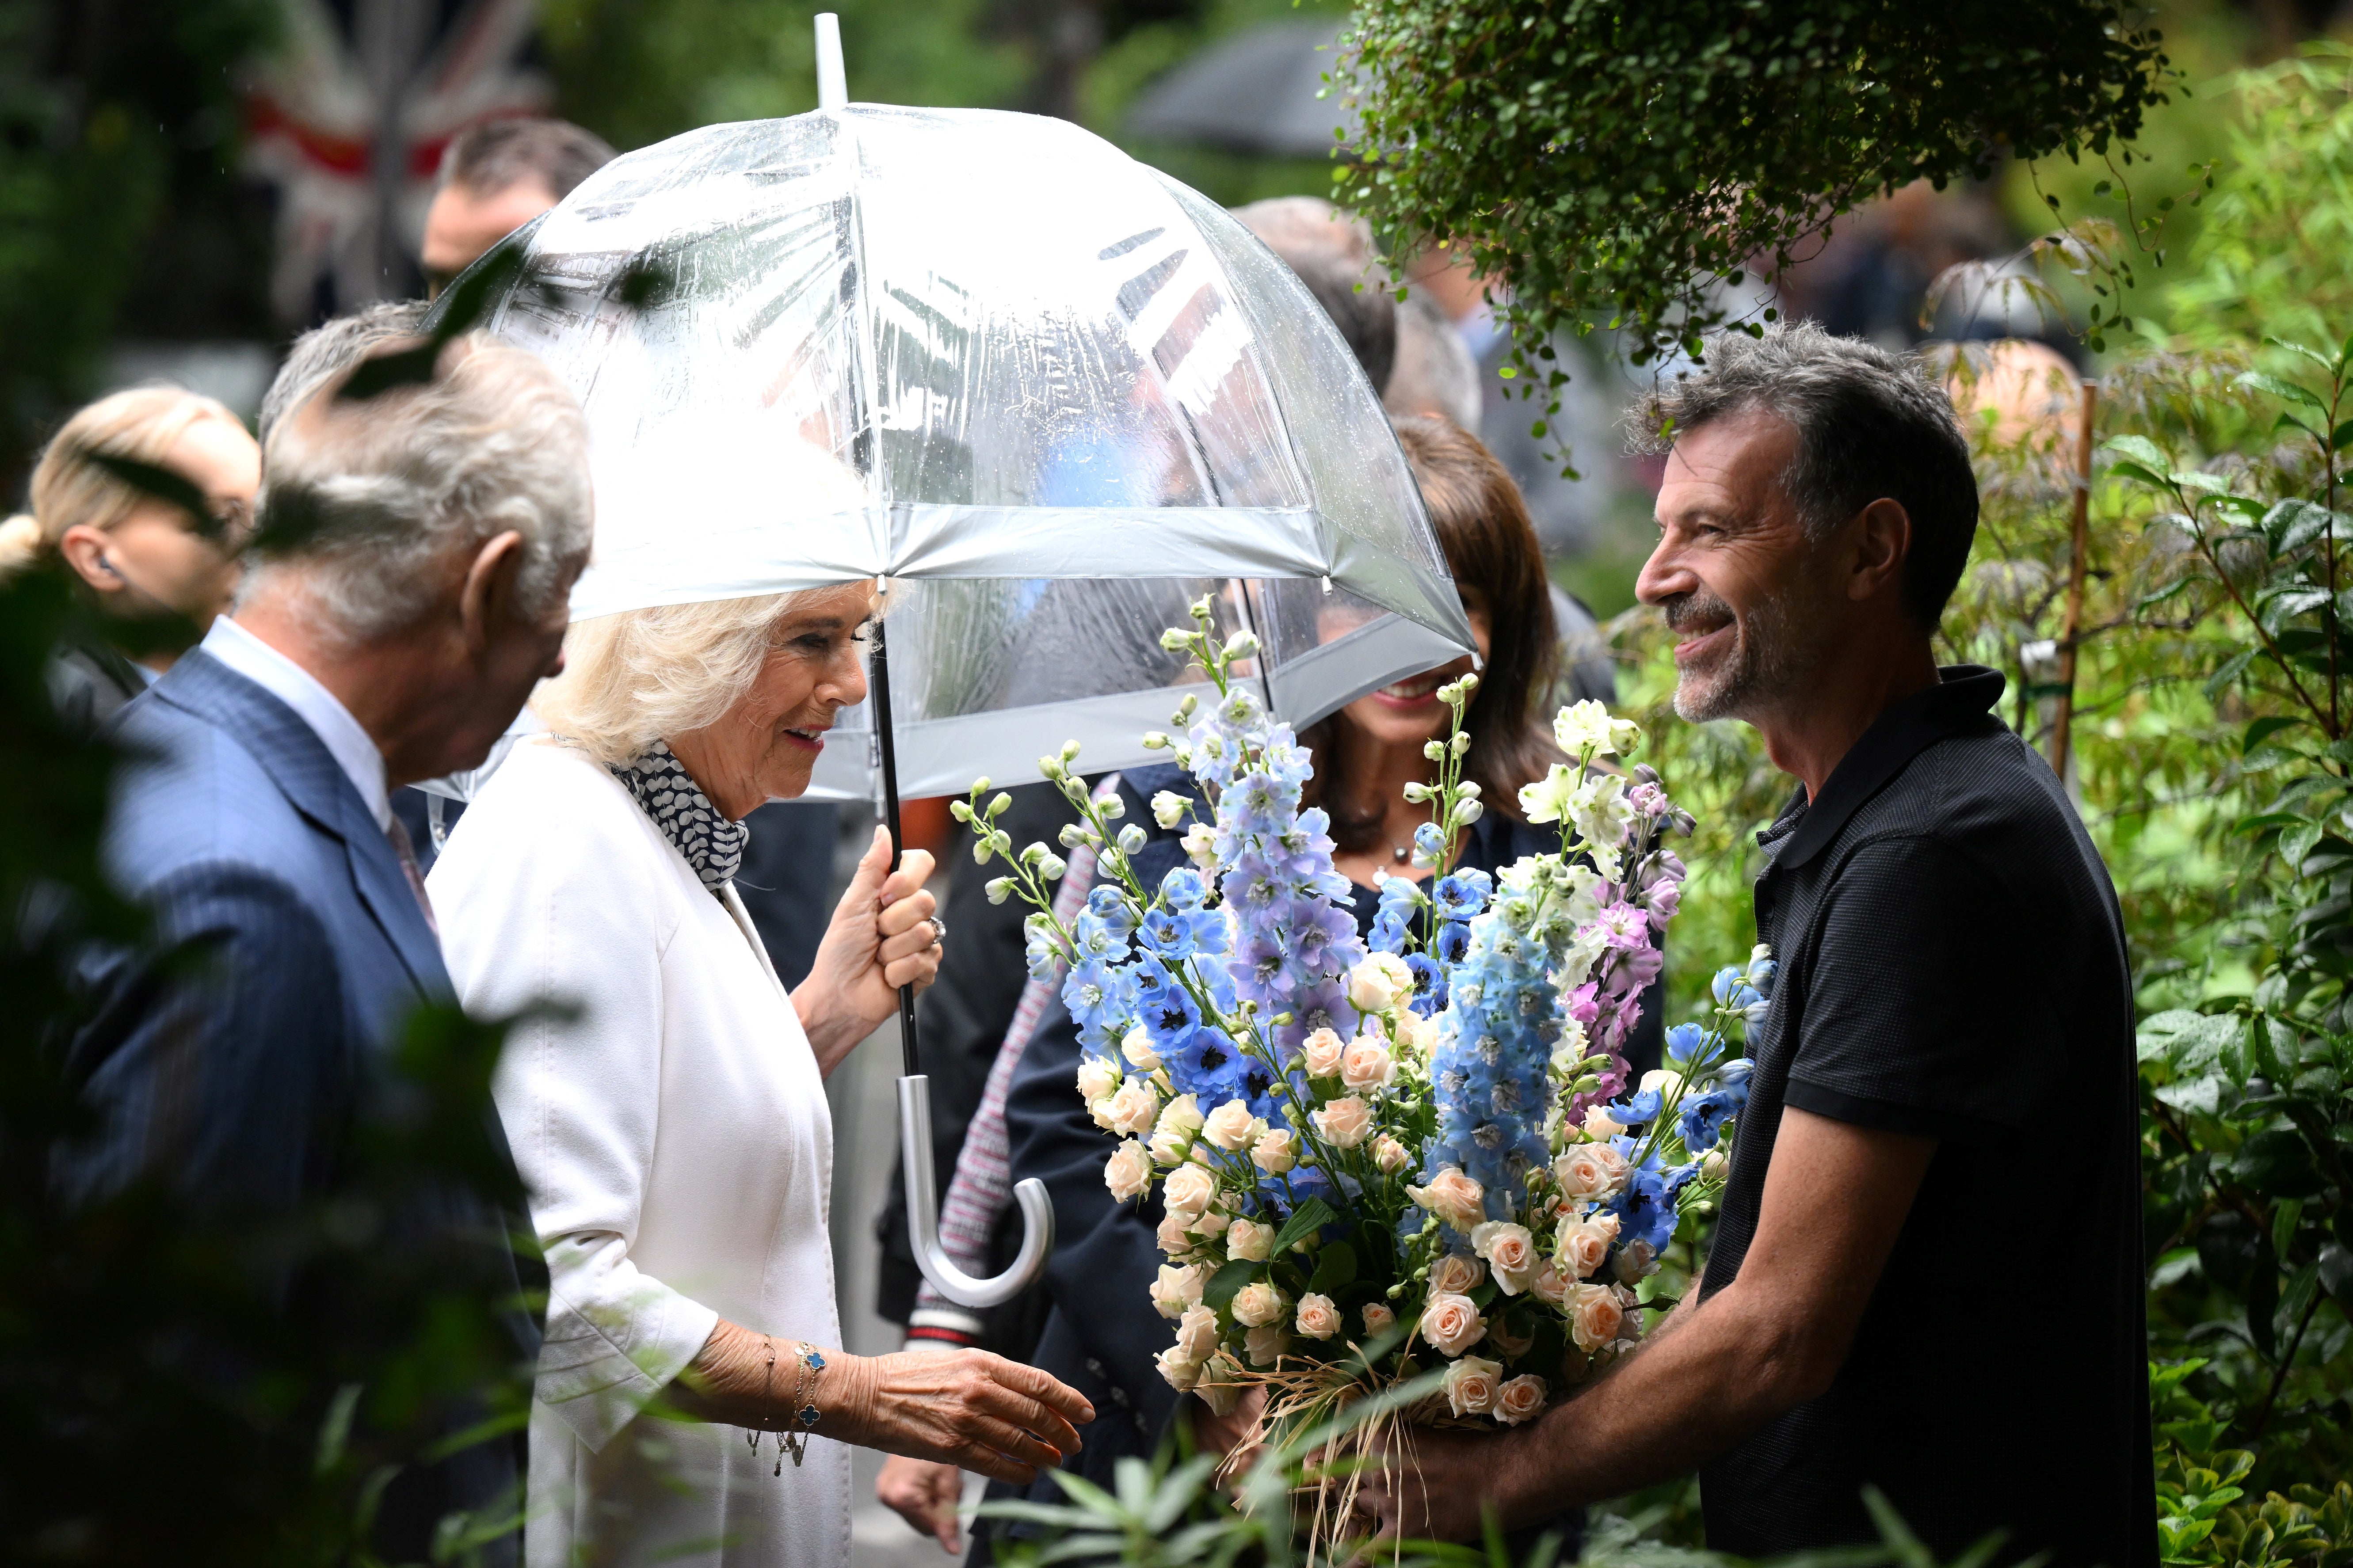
665,792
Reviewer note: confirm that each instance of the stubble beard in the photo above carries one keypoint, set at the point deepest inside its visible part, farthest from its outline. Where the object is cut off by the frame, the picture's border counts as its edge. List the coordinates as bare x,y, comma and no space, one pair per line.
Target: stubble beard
1768,661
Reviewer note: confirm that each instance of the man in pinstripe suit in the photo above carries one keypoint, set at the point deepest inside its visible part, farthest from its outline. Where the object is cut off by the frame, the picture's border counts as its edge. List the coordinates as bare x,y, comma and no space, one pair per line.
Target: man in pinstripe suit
413,559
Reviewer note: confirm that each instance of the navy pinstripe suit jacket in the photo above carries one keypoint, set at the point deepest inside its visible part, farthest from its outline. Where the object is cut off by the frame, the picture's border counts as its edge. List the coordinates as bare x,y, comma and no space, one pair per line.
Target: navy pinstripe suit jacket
241,1077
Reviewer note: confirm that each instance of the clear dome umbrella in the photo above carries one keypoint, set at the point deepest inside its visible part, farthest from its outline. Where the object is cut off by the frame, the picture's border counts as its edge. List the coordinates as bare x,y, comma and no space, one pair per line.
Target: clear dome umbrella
1047,394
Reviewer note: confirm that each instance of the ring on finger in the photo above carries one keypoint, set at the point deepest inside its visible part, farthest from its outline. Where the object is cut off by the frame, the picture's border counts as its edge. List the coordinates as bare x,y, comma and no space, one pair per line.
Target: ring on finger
939,928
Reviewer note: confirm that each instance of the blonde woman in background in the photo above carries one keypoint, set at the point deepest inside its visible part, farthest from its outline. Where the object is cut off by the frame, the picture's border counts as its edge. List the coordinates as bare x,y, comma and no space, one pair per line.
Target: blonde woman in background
143,558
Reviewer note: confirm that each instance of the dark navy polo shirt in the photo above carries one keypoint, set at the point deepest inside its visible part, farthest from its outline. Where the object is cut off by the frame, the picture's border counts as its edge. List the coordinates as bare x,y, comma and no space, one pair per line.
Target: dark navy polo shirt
1953,967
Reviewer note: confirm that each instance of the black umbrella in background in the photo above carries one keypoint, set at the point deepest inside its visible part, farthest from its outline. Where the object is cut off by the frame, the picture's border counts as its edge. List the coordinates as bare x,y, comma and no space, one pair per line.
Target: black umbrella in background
1255,92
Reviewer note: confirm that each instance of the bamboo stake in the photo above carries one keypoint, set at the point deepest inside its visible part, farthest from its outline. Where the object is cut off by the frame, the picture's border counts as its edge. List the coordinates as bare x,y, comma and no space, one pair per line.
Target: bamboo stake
2064,720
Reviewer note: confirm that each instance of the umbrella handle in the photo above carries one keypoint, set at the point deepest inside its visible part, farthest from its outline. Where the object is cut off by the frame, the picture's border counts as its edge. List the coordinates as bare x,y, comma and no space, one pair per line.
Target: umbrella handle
923,1217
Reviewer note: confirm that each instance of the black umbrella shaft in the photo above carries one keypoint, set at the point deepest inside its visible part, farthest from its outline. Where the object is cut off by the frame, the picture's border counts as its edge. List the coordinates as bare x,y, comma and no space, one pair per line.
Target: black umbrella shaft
880,678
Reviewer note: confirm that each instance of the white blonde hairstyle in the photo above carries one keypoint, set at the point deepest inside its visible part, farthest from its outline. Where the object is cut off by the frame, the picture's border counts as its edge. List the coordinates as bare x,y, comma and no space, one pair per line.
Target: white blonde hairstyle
141,424
640,676
366,505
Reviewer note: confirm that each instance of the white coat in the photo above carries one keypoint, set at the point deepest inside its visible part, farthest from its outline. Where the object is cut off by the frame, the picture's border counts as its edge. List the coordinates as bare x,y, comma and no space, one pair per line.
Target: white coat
676,1145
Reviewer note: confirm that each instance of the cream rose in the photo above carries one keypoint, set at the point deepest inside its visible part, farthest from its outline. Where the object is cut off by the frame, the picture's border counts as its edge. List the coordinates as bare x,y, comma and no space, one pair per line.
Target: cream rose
1452,1323
1594,1315
1629,1332
1520,1399
1344,1123
1249,1240
1172,1135
1366,1064
1187,1191
1128,1171
1319,1317
1230,1127
1258,1304
1197,1333
1378,1319
1390,1155
1600,1123
1173,1237
1176,1287
1583,1246
1375,985
1471,1385
1133,1108
1636,1262
1320,1051
1276,1152
1137,1048
1264,1343
1580,1174
1210,1221
1097,1078
1181,1374
1670,1085
1452,1197
1509,1250
1550,1286
1456,1275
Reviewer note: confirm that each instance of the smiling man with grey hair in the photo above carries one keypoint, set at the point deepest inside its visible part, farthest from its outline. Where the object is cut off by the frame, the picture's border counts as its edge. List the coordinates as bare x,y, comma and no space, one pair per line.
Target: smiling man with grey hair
1851,1329
412,560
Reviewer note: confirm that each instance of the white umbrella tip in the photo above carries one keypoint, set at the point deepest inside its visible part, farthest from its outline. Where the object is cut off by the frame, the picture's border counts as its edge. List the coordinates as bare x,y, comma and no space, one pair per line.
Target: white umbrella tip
832,84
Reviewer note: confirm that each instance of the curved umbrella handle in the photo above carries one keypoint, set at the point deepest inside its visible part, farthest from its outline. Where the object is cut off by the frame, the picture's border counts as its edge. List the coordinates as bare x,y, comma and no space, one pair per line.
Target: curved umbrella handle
924,1213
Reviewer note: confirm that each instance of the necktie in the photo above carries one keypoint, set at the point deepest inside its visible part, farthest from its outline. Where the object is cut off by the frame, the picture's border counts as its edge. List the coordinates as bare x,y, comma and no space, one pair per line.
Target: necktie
406,854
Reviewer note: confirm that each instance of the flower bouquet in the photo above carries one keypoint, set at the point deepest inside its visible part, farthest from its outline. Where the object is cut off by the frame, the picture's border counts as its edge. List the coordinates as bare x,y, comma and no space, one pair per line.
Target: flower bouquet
1383,1160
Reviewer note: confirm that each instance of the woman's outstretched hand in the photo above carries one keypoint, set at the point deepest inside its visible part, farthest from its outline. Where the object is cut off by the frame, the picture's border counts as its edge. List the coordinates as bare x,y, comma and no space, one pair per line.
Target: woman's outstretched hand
883,937
968,1408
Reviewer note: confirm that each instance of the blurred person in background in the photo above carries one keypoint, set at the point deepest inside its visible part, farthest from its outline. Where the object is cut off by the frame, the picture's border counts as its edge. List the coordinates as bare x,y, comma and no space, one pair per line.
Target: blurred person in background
497,178
405,589
1103,1329
160,574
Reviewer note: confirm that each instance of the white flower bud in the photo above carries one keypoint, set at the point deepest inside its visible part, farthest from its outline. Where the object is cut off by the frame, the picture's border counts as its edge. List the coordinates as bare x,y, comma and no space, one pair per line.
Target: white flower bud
1069,750
1242,645
1174,641
1168,808
1001,801
1131,839
1435,751
1000,889
1418,793
1186,709
1051,868
1156,741
1113,808
1469,812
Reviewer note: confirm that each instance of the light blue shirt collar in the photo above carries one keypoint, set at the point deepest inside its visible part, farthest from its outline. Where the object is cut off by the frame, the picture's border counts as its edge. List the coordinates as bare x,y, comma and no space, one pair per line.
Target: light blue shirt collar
297,688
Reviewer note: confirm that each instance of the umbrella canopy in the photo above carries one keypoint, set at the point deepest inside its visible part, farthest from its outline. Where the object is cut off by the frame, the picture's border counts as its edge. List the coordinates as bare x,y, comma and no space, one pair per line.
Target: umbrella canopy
1047,391
1255,92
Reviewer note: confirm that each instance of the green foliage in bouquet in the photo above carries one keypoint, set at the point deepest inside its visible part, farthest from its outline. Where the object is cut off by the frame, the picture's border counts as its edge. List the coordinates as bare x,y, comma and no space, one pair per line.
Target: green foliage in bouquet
1621,164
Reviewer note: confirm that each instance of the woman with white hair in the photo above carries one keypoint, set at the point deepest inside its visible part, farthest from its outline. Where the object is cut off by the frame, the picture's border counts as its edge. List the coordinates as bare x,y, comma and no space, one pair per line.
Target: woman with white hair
671,1128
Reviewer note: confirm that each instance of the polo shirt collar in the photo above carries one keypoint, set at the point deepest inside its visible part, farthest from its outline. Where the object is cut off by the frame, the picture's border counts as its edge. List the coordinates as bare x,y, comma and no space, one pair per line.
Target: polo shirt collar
1965,692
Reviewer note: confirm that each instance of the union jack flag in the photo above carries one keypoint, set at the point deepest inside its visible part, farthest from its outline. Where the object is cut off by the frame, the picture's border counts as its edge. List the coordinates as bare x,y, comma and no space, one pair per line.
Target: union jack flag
349,119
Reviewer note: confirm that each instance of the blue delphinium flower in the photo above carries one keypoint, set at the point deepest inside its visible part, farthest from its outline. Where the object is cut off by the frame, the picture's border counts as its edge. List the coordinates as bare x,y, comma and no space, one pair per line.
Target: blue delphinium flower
1685,1043
1429,844
1701,1119
1166,1010
1101,1000
1207,1065
1165,933
1646,1211
1461,894
1108,907
1490,1067
1183,889
1428,983
1637,1110
1389,933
